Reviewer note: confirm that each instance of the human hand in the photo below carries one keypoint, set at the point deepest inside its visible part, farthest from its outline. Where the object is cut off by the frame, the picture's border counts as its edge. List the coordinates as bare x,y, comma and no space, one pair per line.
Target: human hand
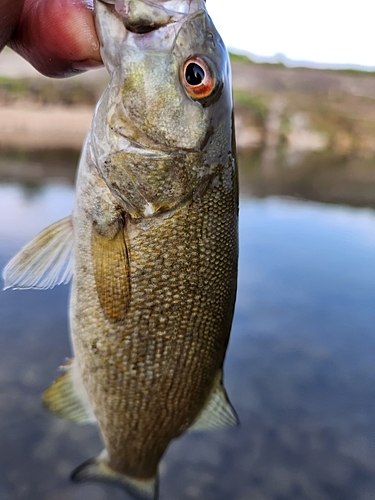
57,37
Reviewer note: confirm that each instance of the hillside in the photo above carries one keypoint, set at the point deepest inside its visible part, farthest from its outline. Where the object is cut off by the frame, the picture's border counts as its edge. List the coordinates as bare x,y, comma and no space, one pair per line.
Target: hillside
305,109
277,108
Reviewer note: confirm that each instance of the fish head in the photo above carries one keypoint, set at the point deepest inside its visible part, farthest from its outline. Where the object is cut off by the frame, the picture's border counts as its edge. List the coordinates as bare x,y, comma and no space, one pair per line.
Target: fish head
168,107
169,68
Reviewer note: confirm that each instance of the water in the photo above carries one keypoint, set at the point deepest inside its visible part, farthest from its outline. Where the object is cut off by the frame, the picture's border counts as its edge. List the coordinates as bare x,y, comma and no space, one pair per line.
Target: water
300,366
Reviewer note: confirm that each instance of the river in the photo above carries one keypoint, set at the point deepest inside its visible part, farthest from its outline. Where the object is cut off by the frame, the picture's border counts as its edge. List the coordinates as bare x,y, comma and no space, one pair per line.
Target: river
300,366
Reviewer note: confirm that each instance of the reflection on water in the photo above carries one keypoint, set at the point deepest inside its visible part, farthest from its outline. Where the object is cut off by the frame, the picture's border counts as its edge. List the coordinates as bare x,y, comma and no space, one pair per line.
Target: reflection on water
300,367
36,168
322,177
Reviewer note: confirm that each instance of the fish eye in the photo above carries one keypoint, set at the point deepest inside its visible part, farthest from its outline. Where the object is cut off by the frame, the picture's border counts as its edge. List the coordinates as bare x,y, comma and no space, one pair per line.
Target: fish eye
198,80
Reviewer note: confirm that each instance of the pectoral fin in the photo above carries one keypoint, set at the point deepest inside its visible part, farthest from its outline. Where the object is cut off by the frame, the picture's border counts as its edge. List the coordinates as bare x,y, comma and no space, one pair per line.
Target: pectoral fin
66,397
46,261
217,412
97,469
111,270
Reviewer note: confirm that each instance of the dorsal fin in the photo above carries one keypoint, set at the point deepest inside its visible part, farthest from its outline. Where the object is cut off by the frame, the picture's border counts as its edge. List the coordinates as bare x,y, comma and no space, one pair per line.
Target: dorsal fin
46,261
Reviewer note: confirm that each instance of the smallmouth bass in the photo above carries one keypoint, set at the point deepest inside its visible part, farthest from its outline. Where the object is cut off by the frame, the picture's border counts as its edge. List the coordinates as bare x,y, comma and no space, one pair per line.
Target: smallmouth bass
151,243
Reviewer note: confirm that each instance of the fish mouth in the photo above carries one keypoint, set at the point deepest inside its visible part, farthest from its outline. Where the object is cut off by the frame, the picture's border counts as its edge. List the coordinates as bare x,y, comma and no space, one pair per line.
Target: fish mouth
144,16
147,19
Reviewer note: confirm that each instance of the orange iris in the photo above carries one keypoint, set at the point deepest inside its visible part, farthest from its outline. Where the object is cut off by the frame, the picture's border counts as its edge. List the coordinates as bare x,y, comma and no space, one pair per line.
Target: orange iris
197,78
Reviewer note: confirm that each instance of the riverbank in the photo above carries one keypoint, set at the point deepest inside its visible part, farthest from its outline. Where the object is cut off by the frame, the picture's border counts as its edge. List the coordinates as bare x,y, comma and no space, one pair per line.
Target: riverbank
278,109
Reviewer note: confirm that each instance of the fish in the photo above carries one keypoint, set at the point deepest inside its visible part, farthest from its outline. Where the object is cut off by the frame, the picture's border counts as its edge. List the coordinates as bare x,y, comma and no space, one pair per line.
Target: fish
151,246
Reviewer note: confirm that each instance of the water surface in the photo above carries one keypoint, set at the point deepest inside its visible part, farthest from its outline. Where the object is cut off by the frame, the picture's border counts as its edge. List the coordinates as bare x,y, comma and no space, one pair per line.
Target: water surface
300,366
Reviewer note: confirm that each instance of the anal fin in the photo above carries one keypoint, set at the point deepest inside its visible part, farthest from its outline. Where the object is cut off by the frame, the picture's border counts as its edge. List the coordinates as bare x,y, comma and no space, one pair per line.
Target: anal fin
98,470
46,261
217,413
66,399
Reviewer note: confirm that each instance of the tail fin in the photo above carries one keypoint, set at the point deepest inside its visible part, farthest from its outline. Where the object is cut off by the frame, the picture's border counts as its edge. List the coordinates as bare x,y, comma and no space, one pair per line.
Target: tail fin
97,469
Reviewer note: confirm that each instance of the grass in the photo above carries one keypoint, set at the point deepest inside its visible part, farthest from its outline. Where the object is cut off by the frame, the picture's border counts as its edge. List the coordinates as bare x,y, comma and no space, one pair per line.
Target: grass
241,58
255,103
47,92
14,86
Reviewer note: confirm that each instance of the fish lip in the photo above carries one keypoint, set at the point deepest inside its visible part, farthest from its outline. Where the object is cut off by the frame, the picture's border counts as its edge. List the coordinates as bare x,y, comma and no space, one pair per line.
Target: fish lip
150,28
173,10
167,12
142,25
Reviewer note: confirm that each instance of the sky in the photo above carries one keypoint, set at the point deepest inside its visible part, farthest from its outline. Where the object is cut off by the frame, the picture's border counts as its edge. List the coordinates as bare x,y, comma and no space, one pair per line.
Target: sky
320,31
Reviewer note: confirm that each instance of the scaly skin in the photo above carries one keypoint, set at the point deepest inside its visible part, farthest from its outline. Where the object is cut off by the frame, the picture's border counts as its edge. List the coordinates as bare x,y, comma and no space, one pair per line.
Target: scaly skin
149,376
155,225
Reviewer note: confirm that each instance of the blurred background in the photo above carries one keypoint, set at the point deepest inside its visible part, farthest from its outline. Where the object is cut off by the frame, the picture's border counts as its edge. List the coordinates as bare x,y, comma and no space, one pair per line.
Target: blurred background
300,366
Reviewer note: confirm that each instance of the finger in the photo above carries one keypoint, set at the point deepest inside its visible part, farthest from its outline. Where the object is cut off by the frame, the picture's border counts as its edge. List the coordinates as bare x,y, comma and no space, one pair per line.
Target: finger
57,37
10,11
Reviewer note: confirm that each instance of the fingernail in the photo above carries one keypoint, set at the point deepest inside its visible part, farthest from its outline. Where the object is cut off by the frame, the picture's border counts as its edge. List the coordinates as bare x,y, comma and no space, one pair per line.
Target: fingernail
86,64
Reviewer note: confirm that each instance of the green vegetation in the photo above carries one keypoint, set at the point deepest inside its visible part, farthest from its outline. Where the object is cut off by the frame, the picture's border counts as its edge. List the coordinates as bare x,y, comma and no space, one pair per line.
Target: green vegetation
241,58
255,103
14,86
354,72
280,61
68,92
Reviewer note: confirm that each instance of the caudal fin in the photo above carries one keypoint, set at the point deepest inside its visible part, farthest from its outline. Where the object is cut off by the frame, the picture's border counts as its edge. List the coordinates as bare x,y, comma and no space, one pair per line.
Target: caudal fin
98,470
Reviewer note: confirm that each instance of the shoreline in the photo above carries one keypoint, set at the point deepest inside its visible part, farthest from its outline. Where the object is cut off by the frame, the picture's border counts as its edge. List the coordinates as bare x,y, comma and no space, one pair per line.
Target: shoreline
29,126
293,110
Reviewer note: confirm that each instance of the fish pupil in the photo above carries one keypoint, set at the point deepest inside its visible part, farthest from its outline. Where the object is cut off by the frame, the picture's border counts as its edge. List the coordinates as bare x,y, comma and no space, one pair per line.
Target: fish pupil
194,74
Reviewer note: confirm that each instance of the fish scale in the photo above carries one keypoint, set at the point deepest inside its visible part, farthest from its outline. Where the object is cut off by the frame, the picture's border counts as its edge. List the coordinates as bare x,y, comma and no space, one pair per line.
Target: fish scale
163,354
